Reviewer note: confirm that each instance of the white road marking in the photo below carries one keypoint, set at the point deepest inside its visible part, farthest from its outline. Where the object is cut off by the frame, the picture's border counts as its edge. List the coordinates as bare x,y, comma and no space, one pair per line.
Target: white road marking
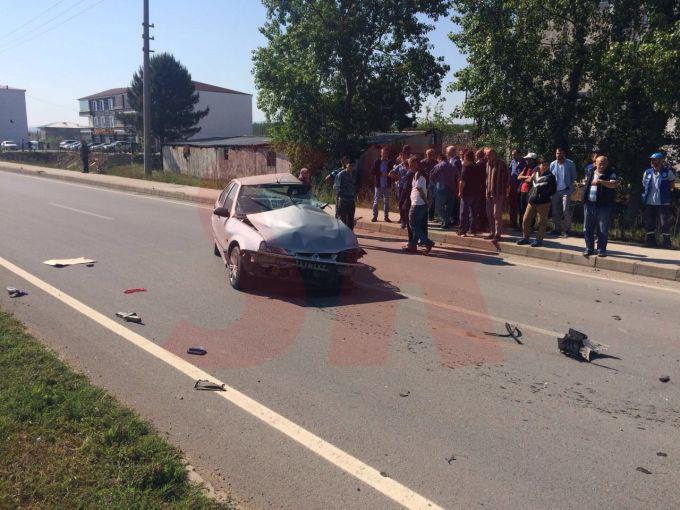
595,277
80,211
138,194
348,463
514,257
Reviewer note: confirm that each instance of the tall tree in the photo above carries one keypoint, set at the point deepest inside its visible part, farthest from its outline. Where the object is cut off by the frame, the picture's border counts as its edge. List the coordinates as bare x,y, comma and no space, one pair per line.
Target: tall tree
334,71
173,100
575,73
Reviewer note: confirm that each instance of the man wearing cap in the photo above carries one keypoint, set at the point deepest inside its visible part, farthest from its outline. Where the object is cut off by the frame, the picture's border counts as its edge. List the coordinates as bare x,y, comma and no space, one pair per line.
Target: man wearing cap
657,185
564,171
516,166
524,179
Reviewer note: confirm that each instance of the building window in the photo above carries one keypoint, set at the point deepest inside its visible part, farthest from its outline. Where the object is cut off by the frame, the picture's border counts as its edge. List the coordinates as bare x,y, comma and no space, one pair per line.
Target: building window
110,121
110,103
93,106
95,121
100,104
271,158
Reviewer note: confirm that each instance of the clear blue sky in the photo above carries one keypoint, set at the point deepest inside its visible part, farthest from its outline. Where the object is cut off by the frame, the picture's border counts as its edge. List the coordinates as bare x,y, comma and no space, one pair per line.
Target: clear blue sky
57,59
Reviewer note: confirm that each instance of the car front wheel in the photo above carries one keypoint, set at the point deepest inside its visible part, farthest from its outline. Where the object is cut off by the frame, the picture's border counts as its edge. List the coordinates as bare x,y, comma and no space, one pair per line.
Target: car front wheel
238,278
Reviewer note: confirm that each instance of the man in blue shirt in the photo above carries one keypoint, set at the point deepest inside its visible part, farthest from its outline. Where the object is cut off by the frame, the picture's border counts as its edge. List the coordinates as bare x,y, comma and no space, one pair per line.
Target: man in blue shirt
657,185
564,171
382,184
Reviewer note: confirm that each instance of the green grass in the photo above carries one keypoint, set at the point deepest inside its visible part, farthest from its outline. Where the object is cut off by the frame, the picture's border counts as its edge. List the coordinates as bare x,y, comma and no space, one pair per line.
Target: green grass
66,444
136,171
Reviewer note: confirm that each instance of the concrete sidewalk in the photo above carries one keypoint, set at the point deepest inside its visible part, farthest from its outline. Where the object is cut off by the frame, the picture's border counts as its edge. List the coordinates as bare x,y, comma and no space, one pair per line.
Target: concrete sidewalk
161,189
625,258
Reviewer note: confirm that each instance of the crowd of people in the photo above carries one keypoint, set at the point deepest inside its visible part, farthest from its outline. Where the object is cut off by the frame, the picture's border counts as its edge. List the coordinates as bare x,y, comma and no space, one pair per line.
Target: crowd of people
471,190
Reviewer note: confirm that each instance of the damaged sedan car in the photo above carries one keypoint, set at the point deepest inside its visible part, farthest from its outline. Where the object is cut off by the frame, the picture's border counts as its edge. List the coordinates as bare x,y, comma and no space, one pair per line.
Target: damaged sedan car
272,226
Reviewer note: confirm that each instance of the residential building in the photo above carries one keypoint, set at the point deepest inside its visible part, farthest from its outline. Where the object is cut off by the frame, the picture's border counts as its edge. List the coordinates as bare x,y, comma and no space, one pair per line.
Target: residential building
102,110
230,113
13,123
224,158
51,134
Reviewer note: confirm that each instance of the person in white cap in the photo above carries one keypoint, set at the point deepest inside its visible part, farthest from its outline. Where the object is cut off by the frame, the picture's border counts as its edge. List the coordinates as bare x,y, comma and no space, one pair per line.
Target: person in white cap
524,177
657,186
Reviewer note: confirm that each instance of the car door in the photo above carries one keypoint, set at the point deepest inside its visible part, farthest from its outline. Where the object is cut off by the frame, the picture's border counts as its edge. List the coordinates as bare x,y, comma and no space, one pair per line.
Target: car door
219,223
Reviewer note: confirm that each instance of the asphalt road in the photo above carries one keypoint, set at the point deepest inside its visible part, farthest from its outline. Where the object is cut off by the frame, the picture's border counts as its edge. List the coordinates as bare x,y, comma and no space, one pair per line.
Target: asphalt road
398,373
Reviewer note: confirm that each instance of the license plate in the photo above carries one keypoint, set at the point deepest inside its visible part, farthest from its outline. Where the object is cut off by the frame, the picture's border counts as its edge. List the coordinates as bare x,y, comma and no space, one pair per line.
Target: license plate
313,266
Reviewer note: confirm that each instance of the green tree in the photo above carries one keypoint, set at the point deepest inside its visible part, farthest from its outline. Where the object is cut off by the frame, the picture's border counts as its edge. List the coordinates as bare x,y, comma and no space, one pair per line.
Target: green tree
574,73
173,100
333,71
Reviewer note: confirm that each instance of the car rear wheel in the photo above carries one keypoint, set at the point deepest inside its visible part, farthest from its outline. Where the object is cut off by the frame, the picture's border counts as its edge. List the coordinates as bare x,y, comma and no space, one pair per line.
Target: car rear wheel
238,278
216,250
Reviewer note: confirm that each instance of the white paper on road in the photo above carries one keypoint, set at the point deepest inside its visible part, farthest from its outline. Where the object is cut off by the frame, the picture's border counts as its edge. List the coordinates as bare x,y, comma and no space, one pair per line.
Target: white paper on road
68,262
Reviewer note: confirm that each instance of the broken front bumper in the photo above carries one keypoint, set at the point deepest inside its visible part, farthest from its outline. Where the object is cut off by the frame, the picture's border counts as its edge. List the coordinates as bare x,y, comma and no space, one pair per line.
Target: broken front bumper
286,267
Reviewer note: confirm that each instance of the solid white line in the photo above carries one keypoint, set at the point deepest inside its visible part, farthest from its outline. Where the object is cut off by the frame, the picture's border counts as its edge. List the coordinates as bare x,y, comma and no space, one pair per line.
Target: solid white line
595,277
80,211
367,474
185,203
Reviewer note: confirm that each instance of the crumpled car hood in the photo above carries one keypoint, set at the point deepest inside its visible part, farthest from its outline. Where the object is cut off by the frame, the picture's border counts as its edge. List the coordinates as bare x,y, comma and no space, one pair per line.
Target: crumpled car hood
303,229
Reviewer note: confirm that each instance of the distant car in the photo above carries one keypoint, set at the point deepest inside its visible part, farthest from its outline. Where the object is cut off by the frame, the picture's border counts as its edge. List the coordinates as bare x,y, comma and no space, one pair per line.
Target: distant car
34,144
64,143
272,226
72,146
9,145
97,146
118,146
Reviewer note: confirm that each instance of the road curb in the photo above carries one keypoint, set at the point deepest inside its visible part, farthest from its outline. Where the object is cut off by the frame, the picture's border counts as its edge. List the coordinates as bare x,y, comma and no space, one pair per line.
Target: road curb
132,188
562,256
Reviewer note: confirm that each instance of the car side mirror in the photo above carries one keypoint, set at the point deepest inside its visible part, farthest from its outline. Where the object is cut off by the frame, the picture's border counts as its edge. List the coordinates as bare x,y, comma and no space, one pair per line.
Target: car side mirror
222,212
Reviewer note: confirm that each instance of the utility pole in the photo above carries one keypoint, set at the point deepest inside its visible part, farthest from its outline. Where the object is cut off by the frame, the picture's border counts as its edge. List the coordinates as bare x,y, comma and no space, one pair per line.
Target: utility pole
146,99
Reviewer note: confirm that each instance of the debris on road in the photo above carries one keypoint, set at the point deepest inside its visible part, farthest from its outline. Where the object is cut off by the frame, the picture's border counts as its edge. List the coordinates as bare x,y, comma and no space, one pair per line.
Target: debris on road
616,317
451,459
69,262
204,384
130,317
135,290
197,351
384,474
643,470
664,378
404,393
513,332
661,454
576,345
15,293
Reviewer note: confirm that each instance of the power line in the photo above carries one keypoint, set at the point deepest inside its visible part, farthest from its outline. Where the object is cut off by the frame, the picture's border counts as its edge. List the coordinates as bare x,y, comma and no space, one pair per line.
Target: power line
31,20
82,11
53,20
31,96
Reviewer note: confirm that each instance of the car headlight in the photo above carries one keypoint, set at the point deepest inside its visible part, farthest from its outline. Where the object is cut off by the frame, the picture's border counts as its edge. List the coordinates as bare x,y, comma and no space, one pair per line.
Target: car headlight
268,248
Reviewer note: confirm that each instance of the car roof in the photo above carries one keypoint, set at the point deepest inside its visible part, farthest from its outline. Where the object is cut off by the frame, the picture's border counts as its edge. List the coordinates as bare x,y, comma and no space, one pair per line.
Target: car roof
258,180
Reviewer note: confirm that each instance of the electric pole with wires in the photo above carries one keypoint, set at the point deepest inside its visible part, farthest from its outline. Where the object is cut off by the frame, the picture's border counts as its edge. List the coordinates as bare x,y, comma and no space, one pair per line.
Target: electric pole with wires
146,93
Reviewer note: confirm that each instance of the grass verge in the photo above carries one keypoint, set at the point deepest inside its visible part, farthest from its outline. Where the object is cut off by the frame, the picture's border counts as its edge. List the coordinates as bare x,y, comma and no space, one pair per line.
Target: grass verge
66,444
137,172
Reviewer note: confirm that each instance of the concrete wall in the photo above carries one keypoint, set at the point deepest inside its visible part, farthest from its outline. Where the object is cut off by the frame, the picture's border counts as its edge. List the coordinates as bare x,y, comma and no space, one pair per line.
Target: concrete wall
210,162
13,123
230,115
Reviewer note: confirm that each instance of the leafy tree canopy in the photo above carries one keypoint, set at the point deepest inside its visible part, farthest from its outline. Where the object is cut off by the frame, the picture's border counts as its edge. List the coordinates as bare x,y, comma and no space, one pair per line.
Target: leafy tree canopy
333,71
572,73
173,100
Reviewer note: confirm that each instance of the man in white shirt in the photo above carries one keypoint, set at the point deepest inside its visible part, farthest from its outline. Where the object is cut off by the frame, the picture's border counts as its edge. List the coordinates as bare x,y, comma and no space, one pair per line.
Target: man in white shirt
419,211
564,171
